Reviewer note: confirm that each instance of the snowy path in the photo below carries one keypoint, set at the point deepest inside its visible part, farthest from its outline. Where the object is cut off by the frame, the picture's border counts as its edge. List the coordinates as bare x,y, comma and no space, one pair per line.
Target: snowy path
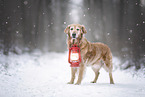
39,75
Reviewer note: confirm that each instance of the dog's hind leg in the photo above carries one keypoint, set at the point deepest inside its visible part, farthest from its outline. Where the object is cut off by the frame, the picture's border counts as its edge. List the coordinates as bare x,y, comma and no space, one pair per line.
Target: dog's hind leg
111,78
96,68
108,67
73,72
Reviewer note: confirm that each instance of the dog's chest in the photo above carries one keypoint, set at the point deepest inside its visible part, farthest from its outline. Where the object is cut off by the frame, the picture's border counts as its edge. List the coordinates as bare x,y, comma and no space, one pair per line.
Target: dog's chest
89,58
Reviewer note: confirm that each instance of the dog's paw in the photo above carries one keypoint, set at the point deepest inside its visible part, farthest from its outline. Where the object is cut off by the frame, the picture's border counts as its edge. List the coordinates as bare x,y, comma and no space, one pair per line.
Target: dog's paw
70,83
93,82
111,82
77,83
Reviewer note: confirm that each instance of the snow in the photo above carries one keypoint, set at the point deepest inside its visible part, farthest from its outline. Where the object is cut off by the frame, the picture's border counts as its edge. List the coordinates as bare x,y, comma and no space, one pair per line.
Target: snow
46,75
130,31
25,2
64,22
17,32
108,34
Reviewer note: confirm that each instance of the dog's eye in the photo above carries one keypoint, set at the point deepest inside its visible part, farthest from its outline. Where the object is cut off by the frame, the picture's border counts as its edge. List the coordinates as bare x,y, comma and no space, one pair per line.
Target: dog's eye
78,29
71,29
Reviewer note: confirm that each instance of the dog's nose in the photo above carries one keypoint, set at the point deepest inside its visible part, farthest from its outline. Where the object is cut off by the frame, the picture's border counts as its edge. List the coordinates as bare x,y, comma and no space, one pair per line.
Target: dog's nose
74,35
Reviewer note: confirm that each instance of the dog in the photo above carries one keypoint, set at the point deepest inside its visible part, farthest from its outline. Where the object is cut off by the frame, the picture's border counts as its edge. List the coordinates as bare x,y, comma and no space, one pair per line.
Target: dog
96,55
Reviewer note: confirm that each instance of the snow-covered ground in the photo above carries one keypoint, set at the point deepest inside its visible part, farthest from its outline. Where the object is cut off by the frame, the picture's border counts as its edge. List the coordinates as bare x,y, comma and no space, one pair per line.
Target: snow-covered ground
46,75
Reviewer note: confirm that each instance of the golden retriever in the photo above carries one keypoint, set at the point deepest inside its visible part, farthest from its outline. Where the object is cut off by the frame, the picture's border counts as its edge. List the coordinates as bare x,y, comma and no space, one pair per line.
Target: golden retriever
96,55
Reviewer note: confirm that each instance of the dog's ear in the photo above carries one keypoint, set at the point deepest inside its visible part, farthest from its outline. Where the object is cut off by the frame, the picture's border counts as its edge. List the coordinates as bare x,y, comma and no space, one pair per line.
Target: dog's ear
67,29
84,29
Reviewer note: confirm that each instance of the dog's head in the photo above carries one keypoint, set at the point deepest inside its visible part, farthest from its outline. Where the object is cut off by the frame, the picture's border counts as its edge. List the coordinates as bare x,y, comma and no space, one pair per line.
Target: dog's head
75,31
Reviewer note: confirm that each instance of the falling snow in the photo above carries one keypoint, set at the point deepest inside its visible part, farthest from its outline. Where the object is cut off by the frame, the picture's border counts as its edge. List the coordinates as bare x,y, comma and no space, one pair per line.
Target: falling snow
25,2
17,32
25,25
64,22
130,31
108,33
136,3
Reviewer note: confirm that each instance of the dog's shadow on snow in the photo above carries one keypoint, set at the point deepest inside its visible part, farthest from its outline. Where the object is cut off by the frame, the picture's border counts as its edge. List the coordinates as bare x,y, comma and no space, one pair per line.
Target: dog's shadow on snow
97,84
116,85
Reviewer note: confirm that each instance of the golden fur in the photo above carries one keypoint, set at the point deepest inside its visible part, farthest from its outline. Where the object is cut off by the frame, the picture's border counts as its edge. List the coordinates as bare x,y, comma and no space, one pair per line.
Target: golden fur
96,55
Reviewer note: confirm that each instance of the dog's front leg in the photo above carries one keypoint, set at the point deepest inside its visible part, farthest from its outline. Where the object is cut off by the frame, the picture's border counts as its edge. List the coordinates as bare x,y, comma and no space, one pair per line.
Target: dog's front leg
73,72
81,73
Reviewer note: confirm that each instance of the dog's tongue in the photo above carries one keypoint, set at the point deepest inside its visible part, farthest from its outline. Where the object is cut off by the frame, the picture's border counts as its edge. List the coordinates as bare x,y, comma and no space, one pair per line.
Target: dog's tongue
74,41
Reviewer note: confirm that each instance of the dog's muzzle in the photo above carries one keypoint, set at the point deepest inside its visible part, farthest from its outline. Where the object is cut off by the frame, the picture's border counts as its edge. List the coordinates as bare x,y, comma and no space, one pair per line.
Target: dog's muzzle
74,35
